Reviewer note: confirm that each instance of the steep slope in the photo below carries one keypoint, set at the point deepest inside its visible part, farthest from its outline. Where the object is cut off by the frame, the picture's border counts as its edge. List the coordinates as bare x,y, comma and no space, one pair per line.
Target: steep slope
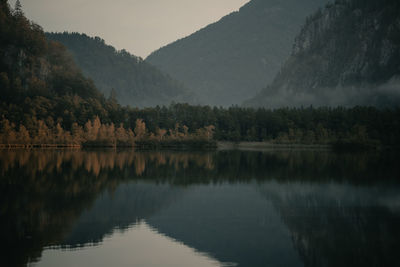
230,60
347,54
39,80
136,82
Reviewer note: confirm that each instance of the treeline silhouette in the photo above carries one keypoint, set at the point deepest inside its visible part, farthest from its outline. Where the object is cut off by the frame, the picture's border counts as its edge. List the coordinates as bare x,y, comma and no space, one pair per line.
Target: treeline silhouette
96,134
183,124
307,125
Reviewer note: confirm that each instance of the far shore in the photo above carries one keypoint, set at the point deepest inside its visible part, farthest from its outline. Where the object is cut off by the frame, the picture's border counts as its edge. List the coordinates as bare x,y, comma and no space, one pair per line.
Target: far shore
221,145
218,146
268,146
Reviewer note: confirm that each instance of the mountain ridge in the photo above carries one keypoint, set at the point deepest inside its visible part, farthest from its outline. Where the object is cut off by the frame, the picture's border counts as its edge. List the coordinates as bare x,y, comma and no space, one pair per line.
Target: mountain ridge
347,54
135,81
229,60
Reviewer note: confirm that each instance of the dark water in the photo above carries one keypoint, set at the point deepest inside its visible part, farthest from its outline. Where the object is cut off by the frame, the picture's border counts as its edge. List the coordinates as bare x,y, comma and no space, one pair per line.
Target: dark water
227,208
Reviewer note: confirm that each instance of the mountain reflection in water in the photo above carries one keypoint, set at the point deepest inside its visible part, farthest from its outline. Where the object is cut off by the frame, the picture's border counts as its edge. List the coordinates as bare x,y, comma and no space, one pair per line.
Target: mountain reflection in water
276,208
139,245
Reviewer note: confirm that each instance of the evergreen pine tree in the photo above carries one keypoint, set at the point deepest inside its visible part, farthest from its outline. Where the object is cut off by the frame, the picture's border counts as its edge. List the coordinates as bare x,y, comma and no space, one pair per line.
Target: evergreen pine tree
18,8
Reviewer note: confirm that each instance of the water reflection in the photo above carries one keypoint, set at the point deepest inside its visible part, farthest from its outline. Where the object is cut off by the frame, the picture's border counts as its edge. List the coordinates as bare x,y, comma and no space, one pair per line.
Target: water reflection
340,224
128,247
286,208
39,161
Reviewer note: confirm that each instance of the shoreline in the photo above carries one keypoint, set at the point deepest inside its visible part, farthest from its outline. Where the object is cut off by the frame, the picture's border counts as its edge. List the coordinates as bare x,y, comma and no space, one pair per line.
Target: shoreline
219,146
213,146
260,146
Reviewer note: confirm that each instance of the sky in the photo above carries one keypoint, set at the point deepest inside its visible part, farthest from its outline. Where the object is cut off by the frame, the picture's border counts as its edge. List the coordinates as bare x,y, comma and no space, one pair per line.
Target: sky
139,26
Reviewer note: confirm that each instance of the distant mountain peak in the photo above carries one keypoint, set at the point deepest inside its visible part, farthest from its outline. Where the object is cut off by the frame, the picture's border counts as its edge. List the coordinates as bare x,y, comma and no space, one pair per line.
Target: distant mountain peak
346,54
230,60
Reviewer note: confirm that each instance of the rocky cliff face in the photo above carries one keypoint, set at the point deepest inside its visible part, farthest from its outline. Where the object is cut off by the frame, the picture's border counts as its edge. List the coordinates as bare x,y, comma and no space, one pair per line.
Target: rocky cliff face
232,59
346,54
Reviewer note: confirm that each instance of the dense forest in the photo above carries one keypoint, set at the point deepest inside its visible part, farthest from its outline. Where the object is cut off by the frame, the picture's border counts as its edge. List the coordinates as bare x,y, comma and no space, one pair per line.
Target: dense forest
357,126
286,125
133,81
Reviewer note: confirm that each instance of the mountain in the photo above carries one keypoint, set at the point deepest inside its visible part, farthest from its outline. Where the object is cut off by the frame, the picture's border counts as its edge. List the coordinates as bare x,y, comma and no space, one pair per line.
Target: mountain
232,59
135,81
40,81
346,54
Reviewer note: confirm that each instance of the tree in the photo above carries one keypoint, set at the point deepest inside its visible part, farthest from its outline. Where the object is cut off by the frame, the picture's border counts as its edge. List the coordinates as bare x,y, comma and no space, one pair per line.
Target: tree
92,129
23,135
121,135
209,131
42,133
111,132
96,127
113,96
4,81
18,9
140,129
161,133
8,133
89,131
185,131
102,135
59,134
131,136
77,133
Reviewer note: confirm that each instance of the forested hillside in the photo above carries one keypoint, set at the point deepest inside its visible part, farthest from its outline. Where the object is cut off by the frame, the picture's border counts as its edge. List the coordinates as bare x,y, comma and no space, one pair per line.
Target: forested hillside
231,60
135,82
46,100
40,81
346,54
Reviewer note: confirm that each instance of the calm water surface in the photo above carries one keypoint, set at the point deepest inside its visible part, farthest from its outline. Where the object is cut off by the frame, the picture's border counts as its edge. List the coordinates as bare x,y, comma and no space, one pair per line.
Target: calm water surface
225,208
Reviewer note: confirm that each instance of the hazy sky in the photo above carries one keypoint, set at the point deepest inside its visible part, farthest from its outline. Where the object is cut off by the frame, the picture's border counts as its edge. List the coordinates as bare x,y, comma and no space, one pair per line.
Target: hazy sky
139,26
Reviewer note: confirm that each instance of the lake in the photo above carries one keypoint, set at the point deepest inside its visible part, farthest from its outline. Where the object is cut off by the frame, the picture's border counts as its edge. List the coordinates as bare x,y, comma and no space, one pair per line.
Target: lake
222,208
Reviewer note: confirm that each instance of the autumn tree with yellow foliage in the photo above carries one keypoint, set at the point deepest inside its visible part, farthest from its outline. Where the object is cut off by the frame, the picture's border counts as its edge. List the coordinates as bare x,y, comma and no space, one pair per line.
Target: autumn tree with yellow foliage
97,134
